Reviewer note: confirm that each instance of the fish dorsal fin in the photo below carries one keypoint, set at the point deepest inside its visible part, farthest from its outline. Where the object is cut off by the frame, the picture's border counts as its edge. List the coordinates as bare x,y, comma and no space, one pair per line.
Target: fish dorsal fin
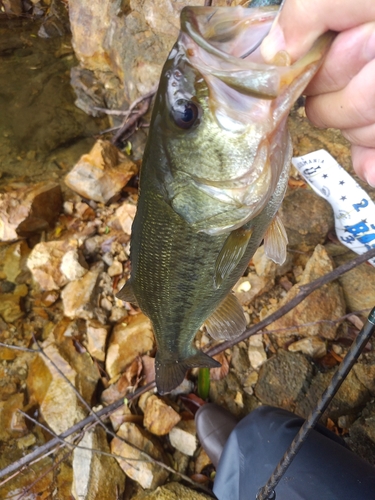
276,240
231,254
126,293
227,321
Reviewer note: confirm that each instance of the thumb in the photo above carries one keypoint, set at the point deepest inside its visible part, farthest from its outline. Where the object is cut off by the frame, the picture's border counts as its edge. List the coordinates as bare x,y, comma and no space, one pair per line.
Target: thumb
294,30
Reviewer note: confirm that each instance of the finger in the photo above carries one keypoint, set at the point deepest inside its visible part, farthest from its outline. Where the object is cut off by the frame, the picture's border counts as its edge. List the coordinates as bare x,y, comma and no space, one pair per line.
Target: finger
361,136
300,22
348,108
364,163
350,52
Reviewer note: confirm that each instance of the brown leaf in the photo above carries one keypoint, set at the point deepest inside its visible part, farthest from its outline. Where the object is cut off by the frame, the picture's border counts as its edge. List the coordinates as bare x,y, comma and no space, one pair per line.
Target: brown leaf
199,478
222,371
148,369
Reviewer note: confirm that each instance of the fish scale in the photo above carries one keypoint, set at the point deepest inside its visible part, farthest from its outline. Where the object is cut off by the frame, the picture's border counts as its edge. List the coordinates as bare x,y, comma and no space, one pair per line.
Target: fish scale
214,173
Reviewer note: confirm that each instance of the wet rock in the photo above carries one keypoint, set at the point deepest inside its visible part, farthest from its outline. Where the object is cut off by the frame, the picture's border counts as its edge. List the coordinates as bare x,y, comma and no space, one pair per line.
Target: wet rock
95,475
101,174
184,437
307,218
129,340
148,474
54,263
311,346
79,296
351,396
96,339
171,491
159,418
283,379
29,210
358,284
326,303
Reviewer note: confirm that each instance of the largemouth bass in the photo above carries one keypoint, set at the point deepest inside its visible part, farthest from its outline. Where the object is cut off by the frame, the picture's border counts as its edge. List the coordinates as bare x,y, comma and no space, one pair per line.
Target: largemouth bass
214,173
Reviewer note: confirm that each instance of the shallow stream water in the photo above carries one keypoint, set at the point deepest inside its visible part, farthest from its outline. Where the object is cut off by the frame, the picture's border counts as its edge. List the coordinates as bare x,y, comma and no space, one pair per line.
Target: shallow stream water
42,132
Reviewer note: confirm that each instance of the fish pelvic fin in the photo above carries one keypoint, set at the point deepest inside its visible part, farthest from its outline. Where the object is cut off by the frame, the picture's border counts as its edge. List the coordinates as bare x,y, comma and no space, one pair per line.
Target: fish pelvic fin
127,294
275,241
231,254
169,375
227,321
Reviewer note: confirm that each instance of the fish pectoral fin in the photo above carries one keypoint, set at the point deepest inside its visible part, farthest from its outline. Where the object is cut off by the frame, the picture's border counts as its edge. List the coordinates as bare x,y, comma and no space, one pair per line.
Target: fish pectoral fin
231,254
227,321
276,240
170,375
127,294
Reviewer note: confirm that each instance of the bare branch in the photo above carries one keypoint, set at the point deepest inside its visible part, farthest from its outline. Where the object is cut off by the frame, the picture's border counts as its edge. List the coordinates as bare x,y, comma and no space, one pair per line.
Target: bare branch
304,291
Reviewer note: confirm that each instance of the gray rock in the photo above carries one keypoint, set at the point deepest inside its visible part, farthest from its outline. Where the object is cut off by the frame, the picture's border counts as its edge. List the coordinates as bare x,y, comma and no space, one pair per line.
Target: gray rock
358,284
362,434
283,379
171,491
351,396
307,218
227,391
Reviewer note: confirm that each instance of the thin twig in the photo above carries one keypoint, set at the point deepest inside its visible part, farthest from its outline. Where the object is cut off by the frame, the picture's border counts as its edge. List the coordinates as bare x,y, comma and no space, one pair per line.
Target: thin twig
146,457
132,120
318,322
128,120
304,291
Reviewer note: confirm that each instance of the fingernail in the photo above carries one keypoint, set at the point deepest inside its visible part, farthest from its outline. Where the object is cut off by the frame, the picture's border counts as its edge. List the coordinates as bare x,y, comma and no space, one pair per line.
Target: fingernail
369,47
370,178
273,43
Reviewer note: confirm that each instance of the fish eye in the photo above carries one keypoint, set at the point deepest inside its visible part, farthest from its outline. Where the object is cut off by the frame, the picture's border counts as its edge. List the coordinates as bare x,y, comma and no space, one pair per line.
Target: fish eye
184,113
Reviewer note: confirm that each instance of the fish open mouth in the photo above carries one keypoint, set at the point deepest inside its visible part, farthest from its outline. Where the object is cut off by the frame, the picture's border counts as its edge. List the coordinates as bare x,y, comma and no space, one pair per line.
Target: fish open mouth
224,46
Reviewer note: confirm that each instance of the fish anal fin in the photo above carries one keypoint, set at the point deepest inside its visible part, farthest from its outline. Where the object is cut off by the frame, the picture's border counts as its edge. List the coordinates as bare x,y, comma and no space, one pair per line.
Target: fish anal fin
127,294
231,254
276,240
227,321
169,375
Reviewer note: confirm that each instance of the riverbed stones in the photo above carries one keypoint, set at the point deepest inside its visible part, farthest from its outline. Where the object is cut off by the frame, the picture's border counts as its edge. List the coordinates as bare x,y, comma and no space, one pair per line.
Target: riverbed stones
283,379
159,417
135,465
29,210
95,475
314,315
101,174
130,338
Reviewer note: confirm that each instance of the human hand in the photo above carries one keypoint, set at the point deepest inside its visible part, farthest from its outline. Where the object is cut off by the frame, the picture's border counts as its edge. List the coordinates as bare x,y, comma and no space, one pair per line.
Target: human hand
342,94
